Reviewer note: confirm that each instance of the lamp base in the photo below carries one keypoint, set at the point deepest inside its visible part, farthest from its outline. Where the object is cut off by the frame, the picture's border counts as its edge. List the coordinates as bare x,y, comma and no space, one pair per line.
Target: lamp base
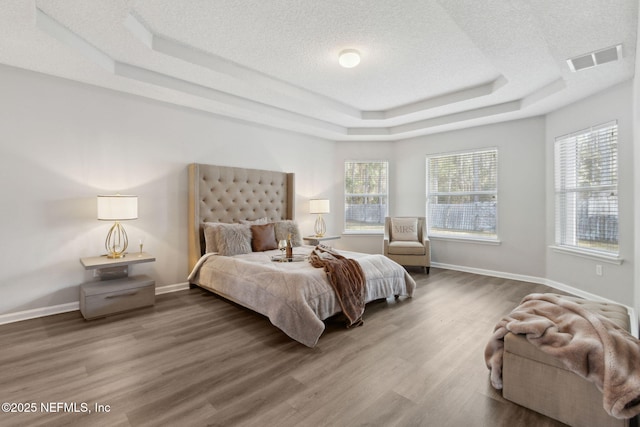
115,255
116,242
320,227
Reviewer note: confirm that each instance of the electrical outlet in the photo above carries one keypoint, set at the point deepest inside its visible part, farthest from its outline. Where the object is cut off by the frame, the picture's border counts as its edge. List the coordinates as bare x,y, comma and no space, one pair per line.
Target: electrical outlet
598,270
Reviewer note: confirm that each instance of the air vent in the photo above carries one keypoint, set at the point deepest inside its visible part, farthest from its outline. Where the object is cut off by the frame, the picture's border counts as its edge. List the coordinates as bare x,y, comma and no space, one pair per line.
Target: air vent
598,57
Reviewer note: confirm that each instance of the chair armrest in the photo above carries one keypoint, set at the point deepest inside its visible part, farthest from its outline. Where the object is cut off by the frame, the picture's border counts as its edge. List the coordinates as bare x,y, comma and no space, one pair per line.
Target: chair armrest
427,248
386,239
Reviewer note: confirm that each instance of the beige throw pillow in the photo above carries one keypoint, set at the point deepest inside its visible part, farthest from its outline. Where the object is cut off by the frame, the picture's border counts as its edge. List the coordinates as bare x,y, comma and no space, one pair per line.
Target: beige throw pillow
233,239
286,227
405,229
210,231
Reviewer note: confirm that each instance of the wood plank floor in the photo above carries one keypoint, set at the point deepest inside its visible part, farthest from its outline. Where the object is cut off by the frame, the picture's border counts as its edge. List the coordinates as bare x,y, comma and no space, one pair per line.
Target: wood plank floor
195,359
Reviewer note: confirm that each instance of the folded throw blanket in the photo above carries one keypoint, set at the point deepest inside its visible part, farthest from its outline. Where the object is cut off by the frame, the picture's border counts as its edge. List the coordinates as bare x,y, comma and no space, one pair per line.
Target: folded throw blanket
347,280
588,344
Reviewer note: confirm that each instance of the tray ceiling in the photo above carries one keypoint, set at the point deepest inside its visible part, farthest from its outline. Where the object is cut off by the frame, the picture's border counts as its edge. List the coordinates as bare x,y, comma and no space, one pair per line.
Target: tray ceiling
427,66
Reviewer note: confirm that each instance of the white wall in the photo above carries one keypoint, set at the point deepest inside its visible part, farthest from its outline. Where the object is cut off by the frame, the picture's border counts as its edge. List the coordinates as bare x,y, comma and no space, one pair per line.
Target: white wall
526,200
64,142
520,194
616,283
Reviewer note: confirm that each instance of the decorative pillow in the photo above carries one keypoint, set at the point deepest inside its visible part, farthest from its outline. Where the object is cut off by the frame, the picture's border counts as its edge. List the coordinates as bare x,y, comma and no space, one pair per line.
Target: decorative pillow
283,228
233,239
210,231
263,237
405,229
258,221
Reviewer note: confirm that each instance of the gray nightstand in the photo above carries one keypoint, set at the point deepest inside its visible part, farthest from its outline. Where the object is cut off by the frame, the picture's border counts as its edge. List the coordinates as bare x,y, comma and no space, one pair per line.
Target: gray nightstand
314,240
115,291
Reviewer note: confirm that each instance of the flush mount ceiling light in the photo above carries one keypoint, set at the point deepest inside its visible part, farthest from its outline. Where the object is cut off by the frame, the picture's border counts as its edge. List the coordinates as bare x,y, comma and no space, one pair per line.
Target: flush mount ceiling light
349,58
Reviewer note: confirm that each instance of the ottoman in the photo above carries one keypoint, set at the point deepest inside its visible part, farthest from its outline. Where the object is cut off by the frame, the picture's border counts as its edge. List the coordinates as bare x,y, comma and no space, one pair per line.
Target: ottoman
540,382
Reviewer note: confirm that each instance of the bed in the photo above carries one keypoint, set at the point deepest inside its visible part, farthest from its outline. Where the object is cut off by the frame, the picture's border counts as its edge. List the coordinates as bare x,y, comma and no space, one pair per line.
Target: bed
294,296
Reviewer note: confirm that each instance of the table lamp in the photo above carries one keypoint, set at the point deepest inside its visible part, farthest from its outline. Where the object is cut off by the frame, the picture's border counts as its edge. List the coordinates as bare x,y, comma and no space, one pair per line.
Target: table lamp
319,206
117,208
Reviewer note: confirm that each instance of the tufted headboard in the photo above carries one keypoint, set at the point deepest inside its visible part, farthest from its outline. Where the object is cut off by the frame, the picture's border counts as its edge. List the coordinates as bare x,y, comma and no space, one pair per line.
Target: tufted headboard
228,194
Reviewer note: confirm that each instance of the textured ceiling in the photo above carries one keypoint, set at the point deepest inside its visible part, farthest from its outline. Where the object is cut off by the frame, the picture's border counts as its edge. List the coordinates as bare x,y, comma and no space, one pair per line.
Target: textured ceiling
427,65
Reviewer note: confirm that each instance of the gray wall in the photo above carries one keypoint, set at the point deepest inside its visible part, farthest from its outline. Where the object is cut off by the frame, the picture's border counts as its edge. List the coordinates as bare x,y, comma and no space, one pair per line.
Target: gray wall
520,194
63,143
616,283
526,200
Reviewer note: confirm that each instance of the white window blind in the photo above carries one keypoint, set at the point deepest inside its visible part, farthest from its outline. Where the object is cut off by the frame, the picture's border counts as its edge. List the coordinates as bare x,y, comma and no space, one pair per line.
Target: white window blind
462,194
586,189
366,195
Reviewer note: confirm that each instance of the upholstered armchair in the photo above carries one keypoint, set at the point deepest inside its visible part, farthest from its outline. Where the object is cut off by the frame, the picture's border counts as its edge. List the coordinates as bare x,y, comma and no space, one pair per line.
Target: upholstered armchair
406,241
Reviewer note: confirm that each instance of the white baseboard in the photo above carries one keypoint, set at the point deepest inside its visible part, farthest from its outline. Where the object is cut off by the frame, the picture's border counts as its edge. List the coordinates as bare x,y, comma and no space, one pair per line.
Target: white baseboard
525,278
39,312
72,306
492,273
543,281
166,289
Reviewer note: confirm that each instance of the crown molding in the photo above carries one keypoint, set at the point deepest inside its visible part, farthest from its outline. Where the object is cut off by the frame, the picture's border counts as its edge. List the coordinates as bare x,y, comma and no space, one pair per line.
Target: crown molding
281,114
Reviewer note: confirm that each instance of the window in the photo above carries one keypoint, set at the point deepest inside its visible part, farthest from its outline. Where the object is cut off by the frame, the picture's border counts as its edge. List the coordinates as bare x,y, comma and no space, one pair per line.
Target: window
366,196
586,189
462,194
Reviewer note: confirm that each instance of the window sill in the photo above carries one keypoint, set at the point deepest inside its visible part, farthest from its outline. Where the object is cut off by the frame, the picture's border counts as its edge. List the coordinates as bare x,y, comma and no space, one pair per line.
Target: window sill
493,242
611,259
363,233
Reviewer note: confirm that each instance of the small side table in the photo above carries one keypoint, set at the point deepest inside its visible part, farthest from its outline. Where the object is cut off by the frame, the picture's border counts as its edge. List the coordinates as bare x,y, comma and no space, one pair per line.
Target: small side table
115,291
315,240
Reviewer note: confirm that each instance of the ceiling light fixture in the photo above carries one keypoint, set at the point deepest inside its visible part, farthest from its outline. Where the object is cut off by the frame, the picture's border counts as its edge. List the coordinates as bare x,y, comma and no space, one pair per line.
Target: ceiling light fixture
349,58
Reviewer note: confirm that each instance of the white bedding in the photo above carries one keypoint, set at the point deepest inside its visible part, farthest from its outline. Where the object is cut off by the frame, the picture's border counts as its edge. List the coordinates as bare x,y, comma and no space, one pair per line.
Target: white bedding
295,296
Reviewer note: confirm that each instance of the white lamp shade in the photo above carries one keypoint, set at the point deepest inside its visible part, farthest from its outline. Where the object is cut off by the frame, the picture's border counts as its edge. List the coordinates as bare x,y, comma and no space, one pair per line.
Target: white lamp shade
319,206
117,208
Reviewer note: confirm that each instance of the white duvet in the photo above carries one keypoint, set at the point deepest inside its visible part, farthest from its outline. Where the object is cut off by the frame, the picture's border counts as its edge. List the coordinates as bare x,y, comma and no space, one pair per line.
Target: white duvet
295,296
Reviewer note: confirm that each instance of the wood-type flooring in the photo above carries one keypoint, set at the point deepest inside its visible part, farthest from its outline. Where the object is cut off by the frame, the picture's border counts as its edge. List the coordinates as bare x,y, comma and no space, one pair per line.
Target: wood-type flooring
195,359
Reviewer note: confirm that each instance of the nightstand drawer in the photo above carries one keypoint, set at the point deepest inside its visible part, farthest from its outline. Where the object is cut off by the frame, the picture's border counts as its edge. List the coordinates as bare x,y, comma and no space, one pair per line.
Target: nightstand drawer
99,299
